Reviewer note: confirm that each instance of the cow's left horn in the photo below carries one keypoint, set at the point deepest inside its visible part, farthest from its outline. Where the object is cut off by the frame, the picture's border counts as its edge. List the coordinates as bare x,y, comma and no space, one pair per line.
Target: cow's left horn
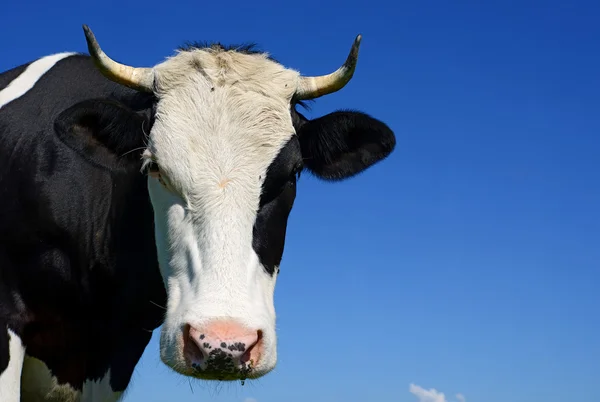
141,79
313,87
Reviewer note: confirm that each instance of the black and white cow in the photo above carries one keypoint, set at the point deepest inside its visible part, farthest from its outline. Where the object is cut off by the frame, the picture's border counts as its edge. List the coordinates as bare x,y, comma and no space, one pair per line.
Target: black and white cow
135,197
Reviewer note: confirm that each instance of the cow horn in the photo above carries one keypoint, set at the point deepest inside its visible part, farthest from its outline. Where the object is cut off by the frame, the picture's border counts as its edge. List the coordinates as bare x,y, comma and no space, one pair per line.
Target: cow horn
313,87
137,78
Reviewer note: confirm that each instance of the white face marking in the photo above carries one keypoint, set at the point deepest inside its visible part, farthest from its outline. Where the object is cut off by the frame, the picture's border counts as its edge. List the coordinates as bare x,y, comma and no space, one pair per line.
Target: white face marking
9,378
27,79
39,384
221,120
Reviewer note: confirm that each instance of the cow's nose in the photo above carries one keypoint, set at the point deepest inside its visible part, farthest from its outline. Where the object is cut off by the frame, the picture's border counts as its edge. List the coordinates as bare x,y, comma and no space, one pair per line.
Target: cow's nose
222,349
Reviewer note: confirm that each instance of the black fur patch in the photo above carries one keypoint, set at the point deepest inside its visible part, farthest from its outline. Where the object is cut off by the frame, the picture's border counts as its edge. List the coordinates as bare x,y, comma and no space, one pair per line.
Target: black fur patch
76,226
103,131
277,199
4,347
342,144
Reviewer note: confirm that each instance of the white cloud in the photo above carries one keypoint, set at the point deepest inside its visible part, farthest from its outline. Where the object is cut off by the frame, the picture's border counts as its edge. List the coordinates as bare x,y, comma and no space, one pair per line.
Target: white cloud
432,395
425,395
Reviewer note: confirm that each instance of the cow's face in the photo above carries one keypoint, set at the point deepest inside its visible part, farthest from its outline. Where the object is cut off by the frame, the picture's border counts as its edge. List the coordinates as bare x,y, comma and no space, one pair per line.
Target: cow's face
223,154
223,158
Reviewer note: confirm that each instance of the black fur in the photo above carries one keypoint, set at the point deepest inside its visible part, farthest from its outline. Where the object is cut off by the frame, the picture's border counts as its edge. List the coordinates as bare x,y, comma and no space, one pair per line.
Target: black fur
342,144
277,199
78,262
89,128
79,280
4,344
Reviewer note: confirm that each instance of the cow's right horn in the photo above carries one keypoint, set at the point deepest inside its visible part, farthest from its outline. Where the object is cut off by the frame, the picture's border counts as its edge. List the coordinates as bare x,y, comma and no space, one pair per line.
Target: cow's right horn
141,79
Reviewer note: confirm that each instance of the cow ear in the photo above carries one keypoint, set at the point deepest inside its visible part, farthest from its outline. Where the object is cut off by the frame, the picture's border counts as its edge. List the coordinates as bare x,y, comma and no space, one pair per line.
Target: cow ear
104,132
344,143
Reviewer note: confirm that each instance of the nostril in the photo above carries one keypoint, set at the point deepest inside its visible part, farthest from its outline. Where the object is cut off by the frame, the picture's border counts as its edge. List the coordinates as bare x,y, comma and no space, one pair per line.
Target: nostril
191,347
253,351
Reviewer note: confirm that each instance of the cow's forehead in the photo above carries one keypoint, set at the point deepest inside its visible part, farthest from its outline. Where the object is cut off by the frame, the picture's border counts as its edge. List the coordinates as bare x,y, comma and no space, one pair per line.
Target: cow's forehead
221,119
254,72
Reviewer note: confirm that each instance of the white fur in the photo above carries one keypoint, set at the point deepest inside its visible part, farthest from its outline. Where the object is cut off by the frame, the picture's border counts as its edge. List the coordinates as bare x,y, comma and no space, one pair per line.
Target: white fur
10,378
39,385
222,118
27,79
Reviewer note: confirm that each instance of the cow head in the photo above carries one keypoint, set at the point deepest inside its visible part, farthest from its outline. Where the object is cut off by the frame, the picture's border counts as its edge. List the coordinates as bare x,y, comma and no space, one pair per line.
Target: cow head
223,153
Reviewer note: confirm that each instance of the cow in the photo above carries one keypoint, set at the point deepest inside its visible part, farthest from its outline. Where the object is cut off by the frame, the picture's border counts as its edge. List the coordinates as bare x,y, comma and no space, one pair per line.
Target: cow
140,197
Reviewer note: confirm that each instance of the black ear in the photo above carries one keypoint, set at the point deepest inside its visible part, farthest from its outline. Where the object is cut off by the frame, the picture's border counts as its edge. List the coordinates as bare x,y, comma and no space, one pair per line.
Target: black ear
104,131
343,143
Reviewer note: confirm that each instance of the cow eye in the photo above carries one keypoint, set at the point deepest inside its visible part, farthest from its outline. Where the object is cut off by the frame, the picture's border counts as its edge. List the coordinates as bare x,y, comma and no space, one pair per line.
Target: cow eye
297,171
153,169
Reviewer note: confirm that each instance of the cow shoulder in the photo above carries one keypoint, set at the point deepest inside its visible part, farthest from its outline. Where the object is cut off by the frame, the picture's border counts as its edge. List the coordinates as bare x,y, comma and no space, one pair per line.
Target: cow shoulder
343,143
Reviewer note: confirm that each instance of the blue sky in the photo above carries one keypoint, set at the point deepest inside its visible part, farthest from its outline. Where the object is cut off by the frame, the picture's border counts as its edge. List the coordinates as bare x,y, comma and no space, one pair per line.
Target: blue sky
469,261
